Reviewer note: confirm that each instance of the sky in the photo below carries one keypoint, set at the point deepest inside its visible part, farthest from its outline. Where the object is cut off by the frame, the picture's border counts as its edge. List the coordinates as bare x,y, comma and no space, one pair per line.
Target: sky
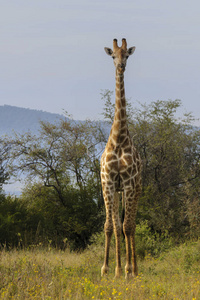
52,54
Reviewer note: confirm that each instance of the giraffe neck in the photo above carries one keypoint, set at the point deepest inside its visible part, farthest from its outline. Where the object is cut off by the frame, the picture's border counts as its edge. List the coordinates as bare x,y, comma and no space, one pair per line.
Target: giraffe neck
119,126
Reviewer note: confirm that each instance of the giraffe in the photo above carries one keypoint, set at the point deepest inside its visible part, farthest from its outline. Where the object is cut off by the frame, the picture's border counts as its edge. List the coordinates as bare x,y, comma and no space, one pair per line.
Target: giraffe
120,172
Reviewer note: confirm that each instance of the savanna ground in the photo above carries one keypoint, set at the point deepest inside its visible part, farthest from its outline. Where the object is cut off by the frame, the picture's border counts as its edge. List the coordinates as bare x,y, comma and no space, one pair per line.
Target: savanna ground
52,274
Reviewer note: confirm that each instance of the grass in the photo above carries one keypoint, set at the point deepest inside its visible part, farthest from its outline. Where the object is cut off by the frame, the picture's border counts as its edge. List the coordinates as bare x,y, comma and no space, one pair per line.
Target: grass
51,274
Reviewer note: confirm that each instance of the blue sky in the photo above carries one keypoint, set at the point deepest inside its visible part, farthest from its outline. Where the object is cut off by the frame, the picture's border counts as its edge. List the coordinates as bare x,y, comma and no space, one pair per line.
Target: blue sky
52,53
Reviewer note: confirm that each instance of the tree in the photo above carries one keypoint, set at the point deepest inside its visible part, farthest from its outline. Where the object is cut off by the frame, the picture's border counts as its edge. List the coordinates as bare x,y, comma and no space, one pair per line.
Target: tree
4,176
64,153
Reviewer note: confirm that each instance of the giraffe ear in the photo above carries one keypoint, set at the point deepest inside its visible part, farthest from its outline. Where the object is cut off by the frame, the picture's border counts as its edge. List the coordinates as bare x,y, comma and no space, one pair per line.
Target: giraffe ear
131,50
108,51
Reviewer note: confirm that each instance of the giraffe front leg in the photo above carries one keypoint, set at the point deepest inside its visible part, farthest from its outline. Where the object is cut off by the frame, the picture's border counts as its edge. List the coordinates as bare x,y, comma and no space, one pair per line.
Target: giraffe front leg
108,228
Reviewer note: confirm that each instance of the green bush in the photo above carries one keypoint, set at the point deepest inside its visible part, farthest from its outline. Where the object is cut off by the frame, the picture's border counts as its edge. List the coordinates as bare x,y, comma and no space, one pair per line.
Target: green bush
149,242
12,220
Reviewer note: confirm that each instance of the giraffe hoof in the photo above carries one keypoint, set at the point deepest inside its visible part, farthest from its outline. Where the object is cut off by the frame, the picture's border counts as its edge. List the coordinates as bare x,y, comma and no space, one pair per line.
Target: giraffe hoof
135,271
128,272
118,272
129,276
104,270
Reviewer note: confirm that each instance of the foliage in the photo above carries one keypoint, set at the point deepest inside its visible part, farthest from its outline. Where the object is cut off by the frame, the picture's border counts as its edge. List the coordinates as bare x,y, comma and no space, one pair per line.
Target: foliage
37,217
12,220
151,243
71,225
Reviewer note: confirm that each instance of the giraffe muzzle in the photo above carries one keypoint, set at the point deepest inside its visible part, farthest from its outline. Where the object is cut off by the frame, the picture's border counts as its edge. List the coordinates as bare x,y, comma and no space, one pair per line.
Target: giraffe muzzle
121,68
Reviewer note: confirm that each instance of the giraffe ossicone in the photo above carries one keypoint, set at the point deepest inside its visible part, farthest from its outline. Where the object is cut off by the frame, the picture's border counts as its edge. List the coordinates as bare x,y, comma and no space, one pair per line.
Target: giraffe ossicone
120,172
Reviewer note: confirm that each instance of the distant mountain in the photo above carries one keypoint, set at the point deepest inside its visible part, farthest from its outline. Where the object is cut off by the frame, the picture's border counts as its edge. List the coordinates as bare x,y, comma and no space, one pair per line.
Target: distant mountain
22,120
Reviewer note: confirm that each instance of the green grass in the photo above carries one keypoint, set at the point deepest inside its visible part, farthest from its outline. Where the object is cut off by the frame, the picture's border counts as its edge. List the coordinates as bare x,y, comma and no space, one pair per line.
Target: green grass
52,274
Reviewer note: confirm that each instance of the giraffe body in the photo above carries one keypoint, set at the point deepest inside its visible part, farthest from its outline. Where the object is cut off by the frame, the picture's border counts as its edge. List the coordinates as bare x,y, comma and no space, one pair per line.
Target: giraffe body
120,172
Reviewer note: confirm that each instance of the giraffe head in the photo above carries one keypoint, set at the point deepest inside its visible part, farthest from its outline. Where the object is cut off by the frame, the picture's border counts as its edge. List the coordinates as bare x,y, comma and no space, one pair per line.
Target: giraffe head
120,55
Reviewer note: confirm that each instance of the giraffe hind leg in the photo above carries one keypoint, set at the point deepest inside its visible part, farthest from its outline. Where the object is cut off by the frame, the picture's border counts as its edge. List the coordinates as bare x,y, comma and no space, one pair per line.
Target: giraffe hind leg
134,261
129,232
104,269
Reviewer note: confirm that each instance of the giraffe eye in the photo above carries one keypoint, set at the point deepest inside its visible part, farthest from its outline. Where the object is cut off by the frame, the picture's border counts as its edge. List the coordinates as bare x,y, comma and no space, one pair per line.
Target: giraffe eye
127,57
113,57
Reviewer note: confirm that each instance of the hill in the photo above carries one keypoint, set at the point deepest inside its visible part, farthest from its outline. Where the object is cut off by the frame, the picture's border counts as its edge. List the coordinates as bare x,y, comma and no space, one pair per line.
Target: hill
23,119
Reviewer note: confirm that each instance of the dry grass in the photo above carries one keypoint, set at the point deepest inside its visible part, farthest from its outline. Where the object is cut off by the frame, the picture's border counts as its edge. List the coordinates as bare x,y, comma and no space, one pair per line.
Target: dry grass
51,274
